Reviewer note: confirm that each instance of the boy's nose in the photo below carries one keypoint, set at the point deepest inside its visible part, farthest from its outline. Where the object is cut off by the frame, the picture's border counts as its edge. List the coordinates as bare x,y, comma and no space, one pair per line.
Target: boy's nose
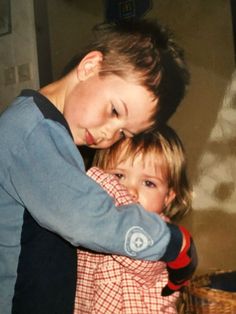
111,132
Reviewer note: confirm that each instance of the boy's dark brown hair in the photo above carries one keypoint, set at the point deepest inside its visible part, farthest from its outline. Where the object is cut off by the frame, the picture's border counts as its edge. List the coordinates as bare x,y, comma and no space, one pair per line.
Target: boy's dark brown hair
145,52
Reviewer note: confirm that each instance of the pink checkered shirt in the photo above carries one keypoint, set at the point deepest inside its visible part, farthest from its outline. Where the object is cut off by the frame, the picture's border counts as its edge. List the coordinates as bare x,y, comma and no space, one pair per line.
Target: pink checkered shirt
117,284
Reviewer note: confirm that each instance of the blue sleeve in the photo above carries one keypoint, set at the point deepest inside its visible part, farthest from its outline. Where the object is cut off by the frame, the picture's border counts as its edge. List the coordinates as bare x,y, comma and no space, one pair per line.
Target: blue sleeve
48,178
175,244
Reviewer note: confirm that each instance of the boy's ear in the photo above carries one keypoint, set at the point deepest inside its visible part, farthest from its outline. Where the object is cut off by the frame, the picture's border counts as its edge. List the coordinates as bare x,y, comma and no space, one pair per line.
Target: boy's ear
89,65
170,197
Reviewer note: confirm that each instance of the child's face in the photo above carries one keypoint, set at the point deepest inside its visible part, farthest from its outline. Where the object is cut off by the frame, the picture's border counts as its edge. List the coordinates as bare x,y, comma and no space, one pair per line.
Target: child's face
145,181
100,110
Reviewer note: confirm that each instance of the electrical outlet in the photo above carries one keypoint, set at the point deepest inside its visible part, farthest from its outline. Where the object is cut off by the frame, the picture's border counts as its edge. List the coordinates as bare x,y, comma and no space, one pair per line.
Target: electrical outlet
10,76
24,72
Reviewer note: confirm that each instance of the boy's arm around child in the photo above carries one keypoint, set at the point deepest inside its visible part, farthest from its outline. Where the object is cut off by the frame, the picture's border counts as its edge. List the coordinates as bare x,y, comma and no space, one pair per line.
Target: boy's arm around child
44,173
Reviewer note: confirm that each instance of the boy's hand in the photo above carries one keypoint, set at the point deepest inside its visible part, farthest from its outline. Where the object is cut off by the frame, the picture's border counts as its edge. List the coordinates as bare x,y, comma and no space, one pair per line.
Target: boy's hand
183,267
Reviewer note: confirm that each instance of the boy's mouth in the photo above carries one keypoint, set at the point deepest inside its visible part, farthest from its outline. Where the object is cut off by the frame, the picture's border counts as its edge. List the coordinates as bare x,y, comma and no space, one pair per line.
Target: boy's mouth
89,138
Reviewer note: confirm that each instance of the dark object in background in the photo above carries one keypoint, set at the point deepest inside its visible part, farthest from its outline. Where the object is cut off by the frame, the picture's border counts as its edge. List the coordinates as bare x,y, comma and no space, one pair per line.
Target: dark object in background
224,281
118,10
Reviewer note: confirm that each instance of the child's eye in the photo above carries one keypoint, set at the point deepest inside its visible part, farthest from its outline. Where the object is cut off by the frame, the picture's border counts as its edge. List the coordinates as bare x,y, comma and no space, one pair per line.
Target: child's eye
119,175
149,184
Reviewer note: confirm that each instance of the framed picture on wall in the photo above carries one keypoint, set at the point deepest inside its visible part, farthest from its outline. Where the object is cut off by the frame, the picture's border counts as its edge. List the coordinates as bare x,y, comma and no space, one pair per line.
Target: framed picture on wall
5,17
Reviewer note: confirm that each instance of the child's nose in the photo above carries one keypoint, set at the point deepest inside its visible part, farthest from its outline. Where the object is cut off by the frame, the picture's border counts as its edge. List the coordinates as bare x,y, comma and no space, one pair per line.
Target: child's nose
133,192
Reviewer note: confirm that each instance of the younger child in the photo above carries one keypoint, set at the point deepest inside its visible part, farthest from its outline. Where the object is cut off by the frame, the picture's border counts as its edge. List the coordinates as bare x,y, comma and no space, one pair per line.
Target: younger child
153,169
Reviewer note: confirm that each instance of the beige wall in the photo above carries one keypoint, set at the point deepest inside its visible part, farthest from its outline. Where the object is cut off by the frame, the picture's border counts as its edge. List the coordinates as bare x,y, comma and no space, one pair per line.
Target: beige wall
207,124
18,54
70,26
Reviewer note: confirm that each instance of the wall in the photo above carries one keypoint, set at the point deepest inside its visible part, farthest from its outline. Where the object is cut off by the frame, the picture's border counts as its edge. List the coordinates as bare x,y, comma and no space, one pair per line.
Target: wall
18,53
206,123
70,27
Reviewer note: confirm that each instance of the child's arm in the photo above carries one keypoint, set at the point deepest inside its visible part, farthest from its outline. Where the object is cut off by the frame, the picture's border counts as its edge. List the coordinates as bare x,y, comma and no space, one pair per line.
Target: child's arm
180,269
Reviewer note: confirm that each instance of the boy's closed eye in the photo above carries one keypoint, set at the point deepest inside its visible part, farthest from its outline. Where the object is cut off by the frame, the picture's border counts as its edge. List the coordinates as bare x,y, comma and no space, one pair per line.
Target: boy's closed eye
114,111
122,134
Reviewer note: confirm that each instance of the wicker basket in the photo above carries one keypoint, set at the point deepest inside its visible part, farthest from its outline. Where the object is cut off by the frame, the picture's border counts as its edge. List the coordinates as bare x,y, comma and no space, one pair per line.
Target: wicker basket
213,293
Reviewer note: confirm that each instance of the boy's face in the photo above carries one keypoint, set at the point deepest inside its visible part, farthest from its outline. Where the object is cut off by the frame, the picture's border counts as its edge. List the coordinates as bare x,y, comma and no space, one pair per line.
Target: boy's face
145,182
100,110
